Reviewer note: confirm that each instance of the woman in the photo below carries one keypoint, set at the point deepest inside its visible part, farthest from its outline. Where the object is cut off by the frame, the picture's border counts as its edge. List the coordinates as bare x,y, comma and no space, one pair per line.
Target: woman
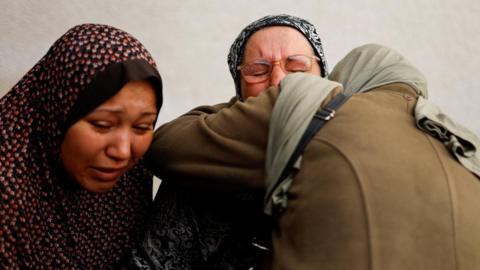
74,190
269,40
207,228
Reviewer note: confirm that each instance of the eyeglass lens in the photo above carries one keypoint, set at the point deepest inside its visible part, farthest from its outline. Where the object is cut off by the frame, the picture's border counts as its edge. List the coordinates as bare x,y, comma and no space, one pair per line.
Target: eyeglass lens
260,70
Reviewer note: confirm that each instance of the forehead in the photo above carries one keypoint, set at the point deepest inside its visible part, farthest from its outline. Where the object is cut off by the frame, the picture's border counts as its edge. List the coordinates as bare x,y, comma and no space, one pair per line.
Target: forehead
139,94
276,42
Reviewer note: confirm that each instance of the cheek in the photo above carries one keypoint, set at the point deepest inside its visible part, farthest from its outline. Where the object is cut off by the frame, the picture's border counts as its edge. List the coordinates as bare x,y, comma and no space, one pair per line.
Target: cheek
253,90
141,144
78,150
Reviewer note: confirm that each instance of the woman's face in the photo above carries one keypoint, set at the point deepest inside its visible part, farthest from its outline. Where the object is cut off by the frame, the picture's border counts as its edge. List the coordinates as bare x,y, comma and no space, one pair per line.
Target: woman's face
99,148
274,43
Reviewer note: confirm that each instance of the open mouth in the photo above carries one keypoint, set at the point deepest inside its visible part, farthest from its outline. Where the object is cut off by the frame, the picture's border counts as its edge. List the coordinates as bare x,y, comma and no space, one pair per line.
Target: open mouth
107,174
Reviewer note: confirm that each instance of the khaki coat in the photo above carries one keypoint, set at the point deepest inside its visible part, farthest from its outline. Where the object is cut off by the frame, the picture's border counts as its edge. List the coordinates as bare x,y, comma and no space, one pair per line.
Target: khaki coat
373,191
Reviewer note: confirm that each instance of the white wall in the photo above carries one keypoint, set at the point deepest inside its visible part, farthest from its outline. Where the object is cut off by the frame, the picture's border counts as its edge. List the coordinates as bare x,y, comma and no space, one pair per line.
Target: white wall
190,39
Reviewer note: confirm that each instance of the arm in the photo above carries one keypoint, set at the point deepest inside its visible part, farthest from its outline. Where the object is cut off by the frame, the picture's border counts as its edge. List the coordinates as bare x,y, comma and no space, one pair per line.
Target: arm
221,146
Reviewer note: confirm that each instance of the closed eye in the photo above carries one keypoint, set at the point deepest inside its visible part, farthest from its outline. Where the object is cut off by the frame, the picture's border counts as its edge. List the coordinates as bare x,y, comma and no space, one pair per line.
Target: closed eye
143,128
101,125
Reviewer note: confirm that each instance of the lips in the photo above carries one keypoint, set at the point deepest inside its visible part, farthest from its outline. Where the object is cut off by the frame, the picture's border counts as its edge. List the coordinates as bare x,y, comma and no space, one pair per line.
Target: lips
107,174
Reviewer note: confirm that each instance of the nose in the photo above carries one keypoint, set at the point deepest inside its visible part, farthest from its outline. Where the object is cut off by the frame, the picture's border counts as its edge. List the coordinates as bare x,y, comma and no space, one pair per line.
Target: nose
120,147
277,74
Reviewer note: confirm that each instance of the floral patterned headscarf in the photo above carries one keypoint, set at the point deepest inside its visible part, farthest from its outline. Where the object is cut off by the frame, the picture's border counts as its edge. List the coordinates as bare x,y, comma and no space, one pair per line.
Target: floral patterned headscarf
235,56
46,220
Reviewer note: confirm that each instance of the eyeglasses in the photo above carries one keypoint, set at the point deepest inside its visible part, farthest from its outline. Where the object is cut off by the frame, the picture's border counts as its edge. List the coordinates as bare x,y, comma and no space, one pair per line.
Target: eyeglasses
260,70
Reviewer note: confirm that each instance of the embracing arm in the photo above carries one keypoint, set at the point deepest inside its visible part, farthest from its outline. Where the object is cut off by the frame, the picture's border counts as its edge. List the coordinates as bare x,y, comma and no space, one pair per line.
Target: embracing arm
219,146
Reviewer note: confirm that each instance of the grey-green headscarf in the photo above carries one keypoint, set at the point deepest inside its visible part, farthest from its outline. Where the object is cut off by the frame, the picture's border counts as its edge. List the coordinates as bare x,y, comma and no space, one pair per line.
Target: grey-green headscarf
372,65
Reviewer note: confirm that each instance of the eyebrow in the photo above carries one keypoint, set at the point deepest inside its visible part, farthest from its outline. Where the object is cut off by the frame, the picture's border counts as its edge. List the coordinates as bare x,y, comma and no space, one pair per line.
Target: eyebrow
118,111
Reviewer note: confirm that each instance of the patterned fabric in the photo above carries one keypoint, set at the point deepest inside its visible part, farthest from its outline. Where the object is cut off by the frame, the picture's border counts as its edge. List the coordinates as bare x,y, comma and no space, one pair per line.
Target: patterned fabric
47,221
461,142
235,56
193,230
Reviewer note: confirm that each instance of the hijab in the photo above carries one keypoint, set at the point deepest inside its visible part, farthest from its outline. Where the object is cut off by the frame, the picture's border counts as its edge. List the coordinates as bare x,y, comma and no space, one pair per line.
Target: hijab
47,220
235,55
371,66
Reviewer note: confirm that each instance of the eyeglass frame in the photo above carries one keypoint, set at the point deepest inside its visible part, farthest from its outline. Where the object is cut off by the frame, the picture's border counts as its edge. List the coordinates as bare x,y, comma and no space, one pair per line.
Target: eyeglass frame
271,64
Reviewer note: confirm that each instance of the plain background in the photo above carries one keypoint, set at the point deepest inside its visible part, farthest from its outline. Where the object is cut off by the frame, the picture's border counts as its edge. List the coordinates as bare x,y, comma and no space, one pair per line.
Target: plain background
190,39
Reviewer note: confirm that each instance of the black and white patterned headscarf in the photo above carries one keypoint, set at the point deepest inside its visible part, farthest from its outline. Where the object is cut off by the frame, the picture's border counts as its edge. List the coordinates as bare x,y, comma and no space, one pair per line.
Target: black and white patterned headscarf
235,56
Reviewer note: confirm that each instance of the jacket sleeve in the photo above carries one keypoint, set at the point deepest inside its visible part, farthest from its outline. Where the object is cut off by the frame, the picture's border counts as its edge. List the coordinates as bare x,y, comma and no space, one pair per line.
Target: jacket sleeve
220,147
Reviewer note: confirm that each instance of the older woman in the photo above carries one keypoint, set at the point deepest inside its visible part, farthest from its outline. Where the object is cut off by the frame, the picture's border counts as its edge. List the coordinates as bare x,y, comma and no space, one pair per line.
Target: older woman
263,54
205,228
271,47
74,190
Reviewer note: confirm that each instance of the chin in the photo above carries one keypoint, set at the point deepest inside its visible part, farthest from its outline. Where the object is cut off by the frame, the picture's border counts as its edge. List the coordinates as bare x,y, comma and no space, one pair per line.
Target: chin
98,187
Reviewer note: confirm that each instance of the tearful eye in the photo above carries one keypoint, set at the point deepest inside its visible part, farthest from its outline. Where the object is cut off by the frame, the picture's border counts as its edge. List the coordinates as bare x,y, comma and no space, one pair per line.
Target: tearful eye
296,65
101,125
256,69
143,128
